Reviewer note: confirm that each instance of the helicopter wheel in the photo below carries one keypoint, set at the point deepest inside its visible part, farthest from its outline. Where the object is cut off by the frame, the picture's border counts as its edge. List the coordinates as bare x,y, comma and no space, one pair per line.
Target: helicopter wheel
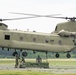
57,55
68,55
14,53
24,54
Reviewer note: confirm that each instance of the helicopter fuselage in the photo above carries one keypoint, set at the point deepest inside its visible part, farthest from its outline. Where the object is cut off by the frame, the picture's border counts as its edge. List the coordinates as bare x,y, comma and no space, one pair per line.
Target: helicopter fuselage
17,39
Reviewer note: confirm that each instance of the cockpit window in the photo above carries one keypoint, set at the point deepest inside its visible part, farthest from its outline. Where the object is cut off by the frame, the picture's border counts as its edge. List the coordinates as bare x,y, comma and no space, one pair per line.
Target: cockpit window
7,37
56,28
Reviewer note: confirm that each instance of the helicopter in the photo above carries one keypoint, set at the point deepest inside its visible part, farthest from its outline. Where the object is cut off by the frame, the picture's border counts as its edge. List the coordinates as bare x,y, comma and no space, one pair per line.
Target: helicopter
63,39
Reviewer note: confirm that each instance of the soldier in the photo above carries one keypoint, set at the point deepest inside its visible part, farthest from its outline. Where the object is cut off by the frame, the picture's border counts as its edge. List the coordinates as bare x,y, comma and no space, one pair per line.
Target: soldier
38,60
16,65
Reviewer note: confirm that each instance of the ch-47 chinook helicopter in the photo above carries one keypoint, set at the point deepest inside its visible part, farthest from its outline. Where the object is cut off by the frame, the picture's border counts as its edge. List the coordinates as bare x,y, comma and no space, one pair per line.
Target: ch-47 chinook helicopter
63,39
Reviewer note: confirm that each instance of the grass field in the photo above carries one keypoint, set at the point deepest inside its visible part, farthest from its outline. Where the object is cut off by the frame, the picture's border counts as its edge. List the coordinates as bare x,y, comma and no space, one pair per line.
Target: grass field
52,62
62,62
18,72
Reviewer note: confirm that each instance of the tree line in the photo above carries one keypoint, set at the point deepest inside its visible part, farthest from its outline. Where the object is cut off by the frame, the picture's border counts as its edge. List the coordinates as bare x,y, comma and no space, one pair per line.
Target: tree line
8,54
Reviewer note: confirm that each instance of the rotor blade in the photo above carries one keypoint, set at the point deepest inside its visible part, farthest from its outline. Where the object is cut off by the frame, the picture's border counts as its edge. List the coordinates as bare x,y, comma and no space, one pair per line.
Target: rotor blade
51,15
18,18
26,14
35,14
71,18
58,17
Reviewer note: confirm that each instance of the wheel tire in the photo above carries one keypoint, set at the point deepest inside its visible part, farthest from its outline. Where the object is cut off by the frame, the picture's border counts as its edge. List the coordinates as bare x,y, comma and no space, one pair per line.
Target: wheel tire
14,53
68,55
24,54
57,55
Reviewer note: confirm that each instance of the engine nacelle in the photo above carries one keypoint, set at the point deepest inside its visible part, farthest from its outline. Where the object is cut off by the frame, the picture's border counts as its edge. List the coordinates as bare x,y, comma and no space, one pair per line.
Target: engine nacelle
64,33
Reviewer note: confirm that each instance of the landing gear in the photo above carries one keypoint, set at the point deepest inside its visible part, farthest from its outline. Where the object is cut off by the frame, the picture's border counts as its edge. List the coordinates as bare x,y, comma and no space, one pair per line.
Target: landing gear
57,55
15,53
24,54
68,55
46,57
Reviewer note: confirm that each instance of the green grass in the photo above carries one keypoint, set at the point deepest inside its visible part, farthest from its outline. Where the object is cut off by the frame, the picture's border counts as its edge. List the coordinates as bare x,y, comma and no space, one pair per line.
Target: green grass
63,63
7,61
18,72
22,73
52,62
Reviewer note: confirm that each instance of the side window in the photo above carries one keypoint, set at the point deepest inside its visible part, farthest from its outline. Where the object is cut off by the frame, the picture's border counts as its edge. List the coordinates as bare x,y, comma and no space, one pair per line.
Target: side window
7,37
46,41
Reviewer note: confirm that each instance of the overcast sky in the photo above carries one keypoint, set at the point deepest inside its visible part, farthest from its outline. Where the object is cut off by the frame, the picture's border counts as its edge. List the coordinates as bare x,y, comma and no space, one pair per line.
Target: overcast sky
41,7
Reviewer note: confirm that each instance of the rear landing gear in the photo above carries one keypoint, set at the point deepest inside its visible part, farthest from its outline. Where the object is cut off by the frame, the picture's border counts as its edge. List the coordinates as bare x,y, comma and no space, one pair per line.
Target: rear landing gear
68,55
24,54
57,55
15,53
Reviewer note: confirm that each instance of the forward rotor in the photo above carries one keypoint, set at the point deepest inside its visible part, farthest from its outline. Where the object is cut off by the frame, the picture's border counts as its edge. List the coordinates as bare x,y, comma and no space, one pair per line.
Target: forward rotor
32,16
49,16
35,14
17,18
